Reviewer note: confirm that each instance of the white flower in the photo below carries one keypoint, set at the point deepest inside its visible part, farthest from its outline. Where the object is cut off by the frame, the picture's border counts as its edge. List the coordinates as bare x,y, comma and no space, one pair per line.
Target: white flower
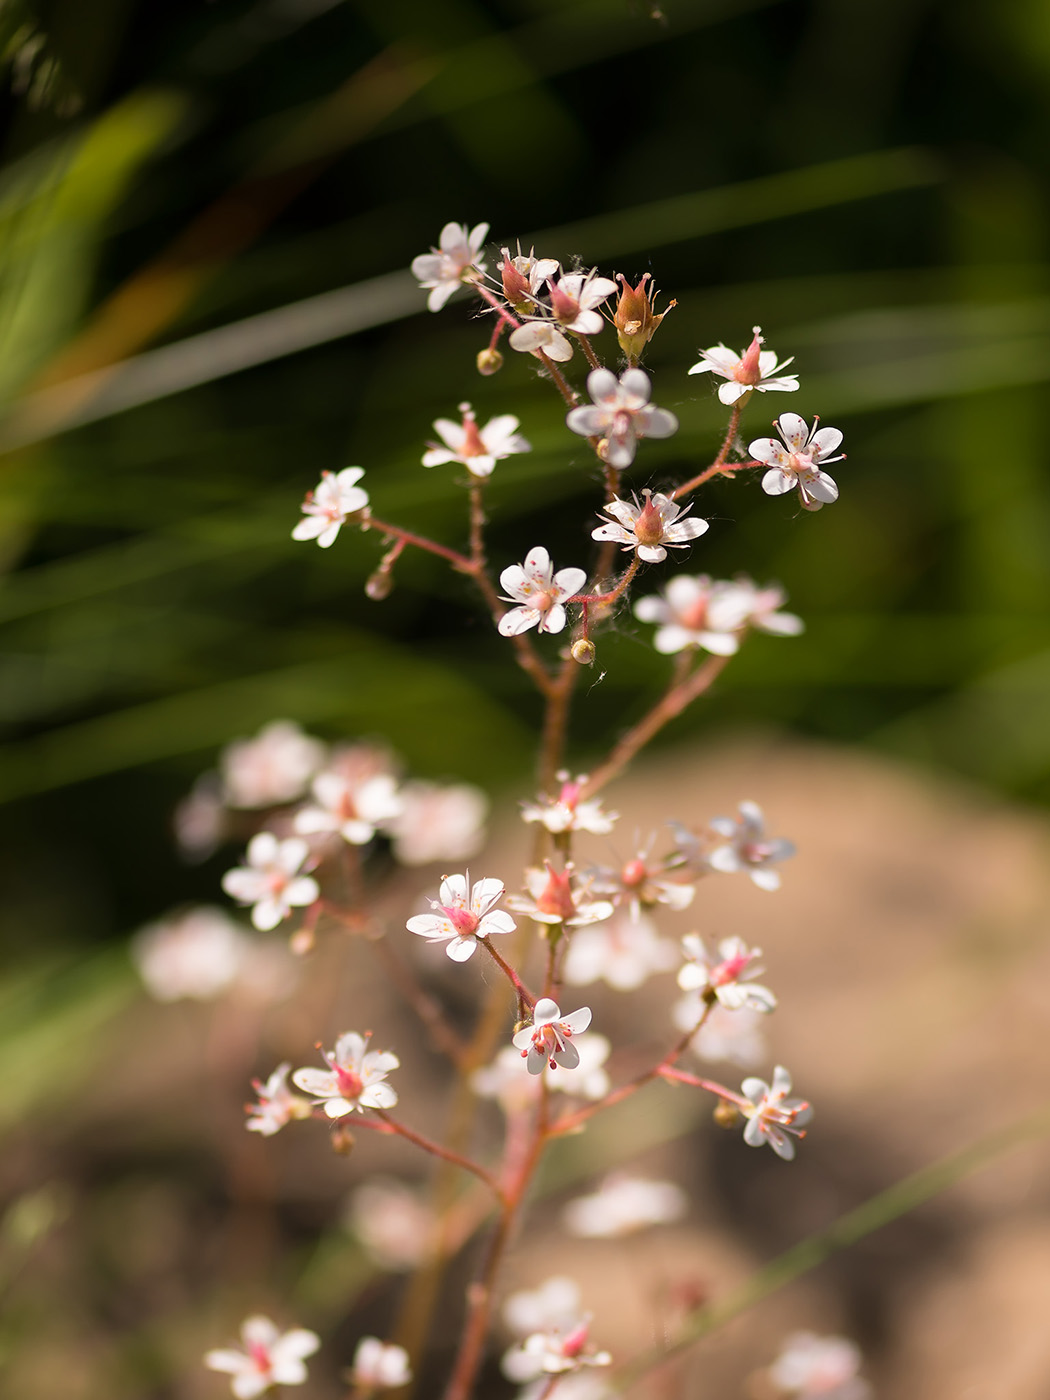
353,810
548,1041
552,1353
554,1305
809,1367
566,812
733,1036
797,460
272,768
695,611
727,978
329,505
621,414
355,1078
540,591
638,885
771,1116
479,449
535,336
574,298
625,951
379,1366
757,607
198,954
394,1224
553,899
649,526
748,848
265,1358
463,914
754,369
271,881
454,262
623,1204
507,1081
439,822
523,276
276,1105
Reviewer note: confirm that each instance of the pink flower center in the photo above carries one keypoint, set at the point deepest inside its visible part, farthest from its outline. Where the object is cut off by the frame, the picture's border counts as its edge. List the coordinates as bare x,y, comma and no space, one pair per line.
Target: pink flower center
575,1342
277,882
566,308
694,617
633,874
260,1358
569,795
462,920
472,443
747,371
730,970
548,1039
649,527
556,897
351,1085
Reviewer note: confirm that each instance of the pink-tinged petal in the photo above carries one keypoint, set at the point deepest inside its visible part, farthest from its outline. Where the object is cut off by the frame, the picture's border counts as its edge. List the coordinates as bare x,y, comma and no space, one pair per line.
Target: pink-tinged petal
320,1083
771,452
460,949
514,580
637,383
522,1039
538,566
778,481
822,488
310,527
825,441
518,620
578,1021
378,1096
453,890
602,385
570,581
657,423
623,511
651,553
619,452
588,421
730,391
555,619
616,533
794,430
433,926
496,922
262,849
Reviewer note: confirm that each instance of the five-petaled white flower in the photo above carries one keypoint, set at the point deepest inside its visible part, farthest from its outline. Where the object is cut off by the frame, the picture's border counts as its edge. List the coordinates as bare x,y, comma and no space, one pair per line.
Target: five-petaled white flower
554,897
748,848
771,1116
755,368
271,881
567,812
265,1358
649,526
624,951
462,914
621,414
548,1041
273,767
574,297
276,1105
199,953
797,460
728,977
479,449
439,822
352,809
454,262
736,1036
623,1204
757,607
379,1365
328,507
355,1078
819,1368
695,611
540,591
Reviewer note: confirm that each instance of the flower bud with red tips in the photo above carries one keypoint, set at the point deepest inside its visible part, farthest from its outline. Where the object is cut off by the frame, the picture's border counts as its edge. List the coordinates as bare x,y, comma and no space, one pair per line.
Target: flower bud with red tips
635,319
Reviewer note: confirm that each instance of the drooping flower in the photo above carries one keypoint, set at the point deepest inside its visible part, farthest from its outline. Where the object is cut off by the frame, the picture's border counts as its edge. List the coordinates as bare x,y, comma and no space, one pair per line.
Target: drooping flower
771,1116
548,1041
352,810
622,1205
555,897
727,978
199,954
438,822
819,1368
567,812
379,1365
355,1078
271,881
797,460
747,847
276,1104
454,262
479,449
396,1226
540,591
620,414
330,504
755,368
624,951
647,527
265,1358
273,767
462,914
695,611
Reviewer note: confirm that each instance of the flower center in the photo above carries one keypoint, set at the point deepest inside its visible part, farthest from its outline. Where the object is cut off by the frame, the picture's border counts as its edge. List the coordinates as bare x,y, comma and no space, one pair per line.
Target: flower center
351,1085
649,527
462,920
730,970
260,1358
633,874
694,617
556,897
472,443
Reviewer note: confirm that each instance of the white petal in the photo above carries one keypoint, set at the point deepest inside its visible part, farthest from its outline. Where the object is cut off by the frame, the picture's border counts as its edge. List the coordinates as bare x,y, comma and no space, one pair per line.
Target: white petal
321,1083
380,1095
821,487
602,384
268,913
778,481
538,566
824,442
771,452
518,620
794,430
588,421
570,581
730,391
460,949
554,620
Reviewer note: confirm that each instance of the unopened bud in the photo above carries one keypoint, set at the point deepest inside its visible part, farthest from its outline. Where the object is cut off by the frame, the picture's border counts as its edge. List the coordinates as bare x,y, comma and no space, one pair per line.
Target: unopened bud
490,361
342,1141
379,585
302,942
584,651
726,1114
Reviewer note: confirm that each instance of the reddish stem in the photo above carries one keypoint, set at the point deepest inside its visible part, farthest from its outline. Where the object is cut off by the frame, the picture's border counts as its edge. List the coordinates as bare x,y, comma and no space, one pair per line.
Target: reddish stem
525,997
390,1125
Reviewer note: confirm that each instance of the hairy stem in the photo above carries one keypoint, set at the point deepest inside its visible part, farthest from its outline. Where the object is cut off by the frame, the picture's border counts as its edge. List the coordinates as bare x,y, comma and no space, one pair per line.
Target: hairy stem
391,1125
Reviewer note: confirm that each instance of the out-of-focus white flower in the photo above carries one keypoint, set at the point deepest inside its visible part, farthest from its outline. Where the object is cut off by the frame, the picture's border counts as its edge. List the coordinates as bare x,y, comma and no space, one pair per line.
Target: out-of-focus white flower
540,591
728,977
755,368
265,1358
748,848
553,1353
379,1365
352,810
639,884
438,822
554,1305
554,898
276,1104
507,1081
454,262
567,812
621,414
271,881
624,951
463,913
623,1204
648,526
355,1079
272,768
200,819
330,504
198,954
548,1041
797,460
757,607
771,1116
726,1036
479,449
809,1367
589,1079
394,1224
582,1385
695,611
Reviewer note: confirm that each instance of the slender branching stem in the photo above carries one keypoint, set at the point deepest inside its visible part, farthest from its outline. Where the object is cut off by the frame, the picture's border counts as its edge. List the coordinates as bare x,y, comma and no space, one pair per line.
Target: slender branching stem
525,997
588,350
386,1124
458,561
719,466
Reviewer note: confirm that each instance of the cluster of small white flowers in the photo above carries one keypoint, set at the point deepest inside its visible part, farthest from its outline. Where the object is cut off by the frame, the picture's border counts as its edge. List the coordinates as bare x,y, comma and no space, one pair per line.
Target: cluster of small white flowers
268,1358
554,1331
